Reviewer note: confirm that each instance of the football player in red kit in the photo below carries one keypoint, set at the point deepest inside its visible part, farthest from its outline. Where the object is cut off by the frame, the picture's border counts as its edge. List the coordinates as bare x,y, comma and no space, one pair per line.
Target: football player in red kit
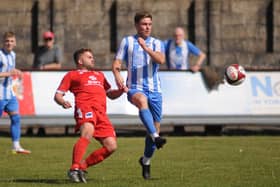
90,89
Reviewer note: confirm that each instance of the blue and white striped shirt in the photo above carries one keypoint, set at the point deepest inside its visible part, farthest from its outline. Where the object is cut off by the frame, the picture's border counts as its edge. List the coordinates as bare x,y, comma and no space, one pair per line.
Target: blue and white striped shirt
7,63
177,57
142,71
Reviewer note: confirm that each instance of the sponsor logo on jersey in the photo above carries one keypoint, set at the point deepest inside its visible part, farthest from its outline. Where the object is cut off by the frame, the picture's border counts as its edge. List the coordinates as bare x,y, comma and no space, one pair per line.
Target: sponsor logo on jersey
88,115
92,77
92,80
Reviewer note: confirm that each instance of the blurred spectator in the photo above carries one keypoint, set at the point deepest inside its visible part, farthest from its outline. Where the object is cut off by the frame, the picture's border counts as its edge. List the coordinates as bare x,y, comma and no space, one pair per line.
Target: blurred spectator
48,56
178,49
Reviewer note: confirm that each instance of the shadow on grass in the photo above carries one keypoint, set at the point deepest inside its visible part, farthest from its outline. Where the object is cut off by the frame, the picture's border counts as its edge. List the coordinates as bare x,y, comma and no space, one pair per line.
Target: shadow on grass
42,181
58,181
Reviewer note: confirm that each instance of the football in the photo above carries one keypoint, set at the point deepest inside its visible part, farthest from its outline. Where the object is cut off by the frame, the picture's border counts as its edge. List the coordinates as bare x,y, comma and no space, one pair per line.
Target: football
235,74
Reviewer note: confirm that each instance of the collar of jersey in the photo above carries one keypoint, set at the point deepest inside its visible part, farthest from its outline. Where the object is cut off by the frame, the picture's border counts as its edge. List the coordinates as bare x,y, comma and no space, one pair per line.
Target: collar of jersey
147,39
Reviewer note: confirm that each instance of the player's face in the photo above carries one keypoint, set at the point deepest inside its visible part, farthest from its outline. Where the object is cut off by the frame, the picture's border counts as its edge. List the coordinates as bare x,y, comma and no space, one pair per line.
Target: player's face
179,36
87,60
9,43
144,27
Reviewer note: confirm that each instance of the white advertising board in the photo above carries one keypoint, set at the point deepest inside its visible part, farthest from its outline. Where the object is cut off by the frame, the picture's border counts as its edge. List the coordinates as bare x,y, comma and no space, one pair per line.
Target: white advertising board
184,93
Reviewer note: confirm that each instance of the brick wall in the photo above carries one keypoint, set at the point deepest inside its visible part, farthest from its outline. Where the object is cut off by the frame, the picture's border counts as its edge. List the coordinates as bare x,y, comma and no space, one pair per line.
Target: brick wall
232,31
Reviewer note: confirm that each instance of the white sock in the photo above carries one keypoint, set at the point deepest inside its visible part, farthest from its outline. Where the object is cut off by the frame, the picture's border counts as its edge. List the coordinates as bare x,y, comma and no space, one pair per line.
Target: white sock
146,160
16,145
154,135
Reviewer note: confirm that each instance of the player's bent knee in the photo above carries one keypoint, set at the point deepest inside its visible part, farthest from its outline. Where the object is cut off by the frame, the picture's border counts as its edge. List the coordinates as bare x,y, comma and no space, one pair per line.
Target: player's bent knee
87,130
140,101
111,146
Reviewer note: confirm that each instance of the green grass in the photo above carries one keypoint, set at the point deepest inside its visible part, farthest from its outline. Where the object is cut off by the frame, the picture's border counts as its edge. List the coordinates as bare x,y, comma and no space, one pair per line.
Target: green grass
252,161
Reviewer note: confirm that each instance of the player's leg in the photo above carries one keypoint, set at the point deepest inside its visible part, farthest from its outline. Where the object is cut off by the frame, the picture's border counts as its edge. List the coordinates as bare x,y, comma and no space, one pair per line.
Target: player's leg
97,156
140,100
2,105
155,105
79,150
146,158
105,134
150,147
80,147
109,145
15,128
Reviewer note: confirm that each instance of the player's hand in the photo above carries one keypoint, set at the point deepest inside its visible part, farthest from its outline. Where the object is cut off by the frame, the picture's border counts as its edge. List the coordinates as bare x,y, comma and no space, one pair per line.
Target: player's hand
142,43
125,89
16,72
66,104
120,82
195,68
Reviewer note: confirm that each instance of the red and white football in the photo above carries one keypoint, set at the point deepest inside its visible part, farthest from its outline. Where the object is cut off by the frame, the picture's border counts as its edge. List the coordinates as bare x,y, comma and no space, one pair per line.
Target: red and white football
235,74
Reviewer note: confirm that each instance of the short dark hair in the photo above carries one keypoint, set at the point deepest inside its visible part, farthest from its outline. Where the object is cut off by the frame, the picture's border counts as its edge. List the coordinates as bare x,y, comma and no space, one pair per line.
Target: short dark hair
79,52
140,15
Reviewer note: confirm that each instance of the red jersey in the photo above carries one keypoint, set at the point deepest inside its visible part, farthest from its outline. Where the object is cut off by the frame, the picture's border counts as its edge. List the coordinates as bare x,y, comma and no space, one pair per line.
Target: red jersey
88,87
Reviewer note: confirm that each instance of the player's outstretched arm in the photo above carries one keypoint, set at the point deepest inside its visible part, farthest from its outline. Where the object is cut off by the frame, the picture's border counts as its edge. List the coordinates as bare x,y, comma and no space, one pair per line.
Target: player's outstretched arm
116,68
114,94
58,98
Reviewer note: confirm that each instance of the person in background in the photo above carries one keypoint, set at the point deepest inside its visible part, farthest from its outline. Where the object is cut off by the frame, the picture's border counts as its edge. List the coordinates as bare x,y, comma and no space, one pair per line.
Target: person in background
49,55
143,54
8,100
178,50
90,89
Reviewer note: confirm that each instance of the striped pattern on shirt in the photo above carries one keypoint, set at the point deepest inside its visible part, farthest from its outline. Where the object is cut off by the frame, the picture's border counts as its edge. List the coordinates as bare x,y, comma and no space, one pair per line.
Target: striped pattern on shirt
7,63
142,71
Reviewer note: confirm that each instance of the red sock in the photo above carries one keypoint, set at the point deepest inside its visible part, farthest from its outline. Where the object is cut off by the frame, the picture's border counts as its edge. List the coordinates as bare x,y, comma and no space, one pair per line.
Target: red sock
97,156
79,150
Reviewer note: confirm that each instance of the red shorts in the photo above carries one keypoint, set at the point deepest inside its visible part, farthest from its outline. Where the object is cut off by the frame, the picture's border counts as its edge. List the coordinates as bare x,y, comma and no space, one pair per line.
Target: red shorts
102,126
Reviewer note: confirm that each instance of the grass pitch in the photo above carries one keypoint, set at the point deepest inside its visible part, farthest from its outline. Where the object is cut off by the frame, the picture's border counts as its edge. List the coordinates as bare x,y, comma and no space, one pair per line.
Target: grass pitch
184,161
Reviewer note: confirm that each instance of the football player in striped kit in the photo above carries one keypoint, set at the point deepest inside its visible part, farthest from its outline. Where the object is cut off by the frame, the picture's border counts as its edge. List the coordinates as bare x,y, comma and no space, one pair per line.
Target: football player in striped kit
143,54
8,100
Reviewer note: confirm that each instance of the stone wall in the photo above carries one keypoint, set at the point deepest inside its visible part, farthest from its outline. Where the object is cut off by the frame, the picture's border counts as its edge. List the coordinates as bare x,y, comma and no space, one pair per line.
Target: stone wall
16,16
244,32
232,31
